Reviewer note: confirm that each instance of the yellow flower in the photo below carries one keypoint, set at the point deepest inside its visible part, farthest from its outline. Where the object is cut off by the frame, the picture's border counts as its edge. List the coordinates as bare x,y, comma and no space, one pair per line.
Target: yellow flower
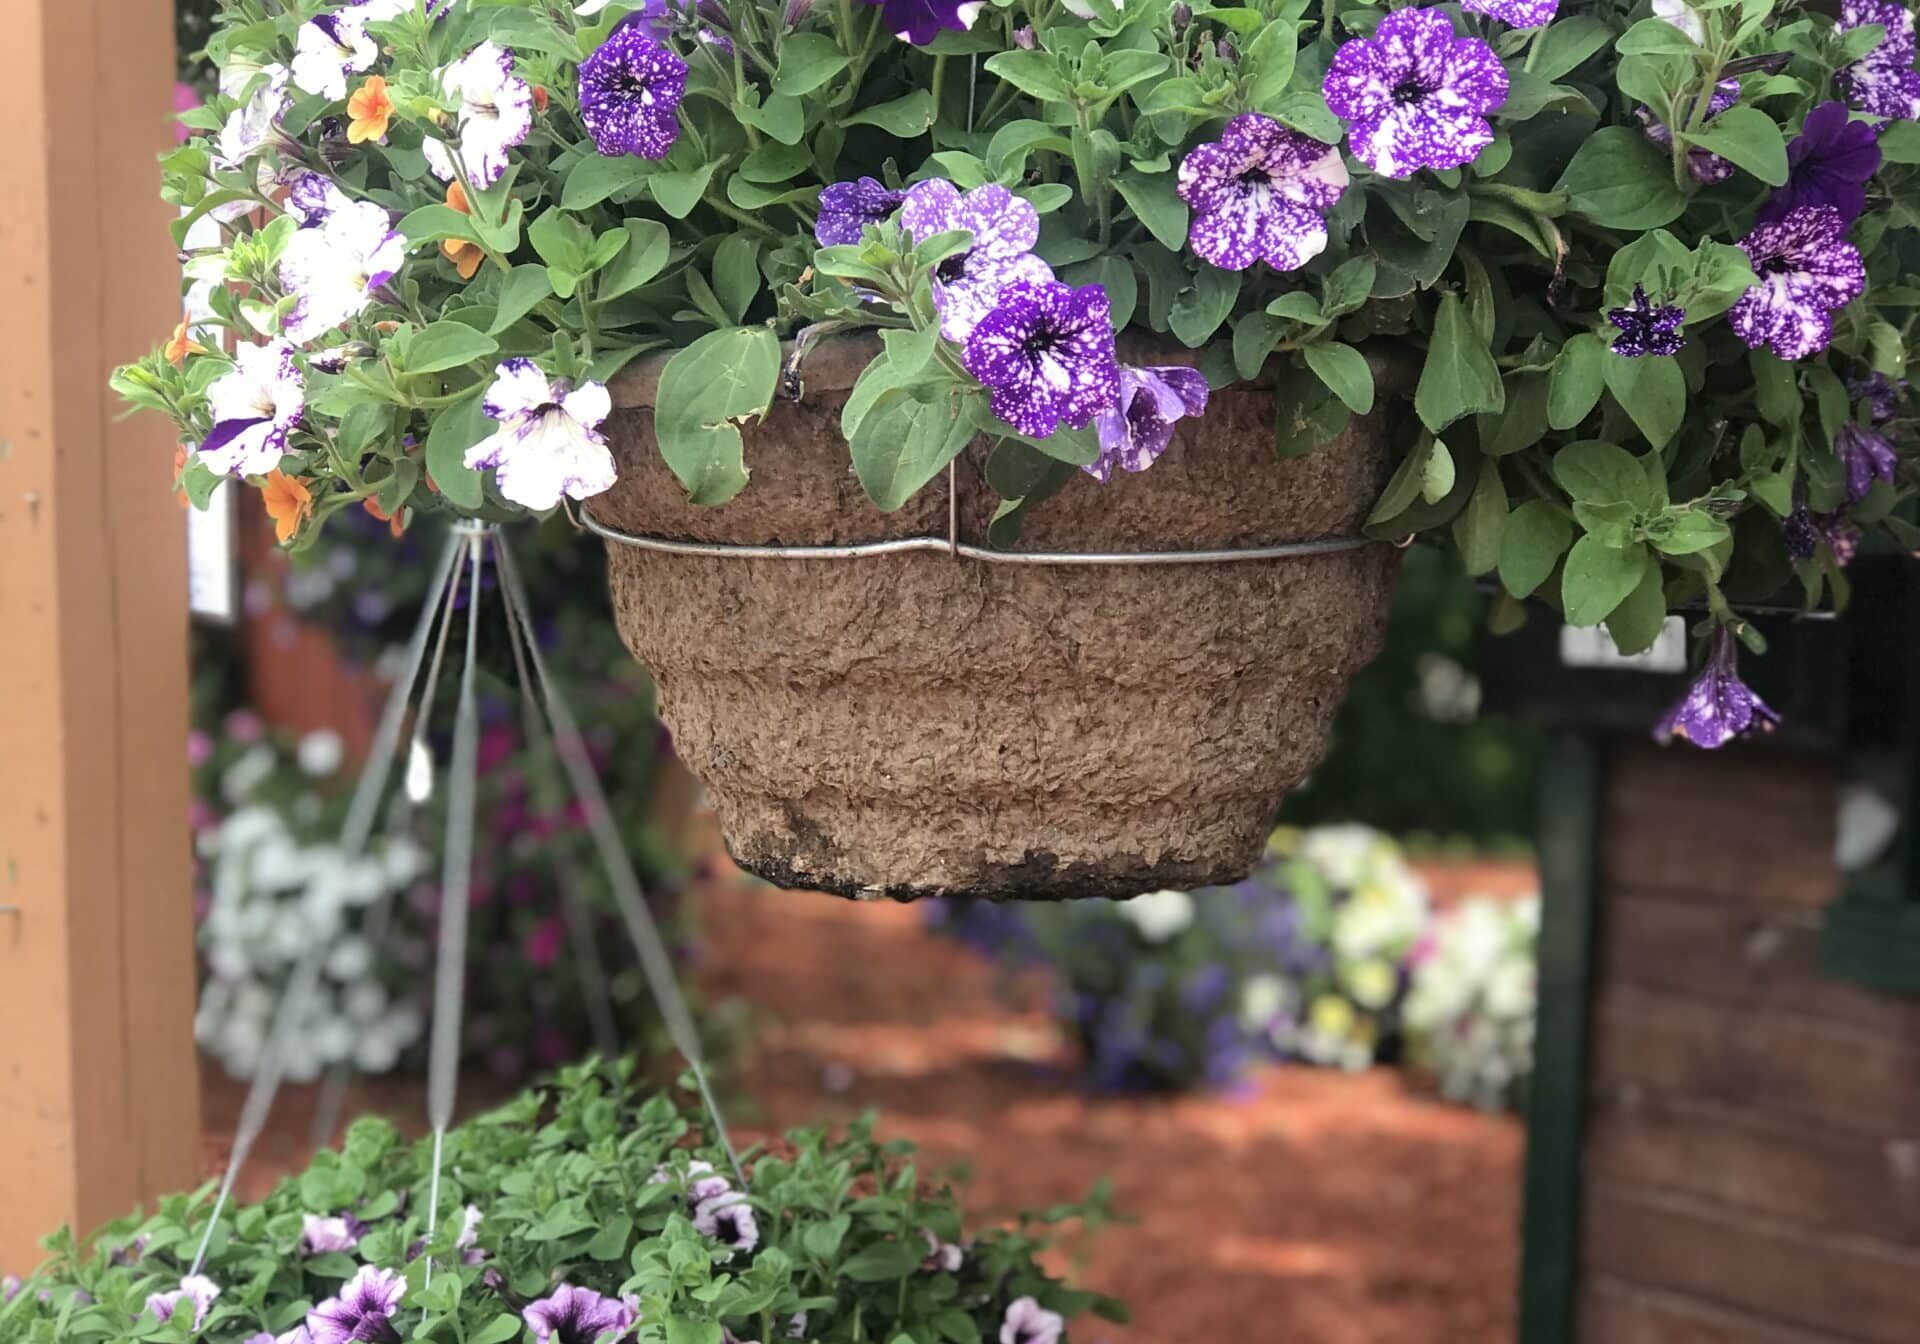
289,503
370,110
1373,983
1332,1016
465,256
183,344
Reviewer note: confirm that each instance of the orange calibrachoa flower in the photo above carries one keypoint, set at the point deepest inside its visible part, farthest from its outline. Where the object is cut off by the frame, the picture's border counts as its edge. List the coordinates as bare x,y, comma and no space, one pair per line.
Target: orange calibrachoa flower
397,524
180,456
465,256
289,503
183,344
371,111
541,98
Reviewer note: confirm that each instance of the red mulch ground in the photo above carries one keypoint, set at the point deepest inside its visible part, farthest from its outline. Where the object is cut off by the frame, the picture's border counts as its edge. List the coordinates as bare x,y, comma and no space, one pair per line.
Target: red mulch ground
1314,1208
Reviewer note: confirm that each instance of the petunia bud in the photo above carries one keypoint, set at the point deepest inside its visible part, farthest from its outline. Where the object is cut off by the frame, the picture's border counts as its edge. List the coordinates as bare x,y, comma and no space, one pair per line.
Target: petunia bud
797,11
1182,17
1024,39
1227,52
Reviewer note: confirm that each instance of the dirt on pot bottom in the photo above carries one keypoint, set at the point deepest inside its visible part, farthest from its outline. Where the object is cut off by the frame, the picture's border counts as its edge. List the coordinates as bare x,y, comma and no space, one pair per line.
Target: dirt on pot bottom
1310,1207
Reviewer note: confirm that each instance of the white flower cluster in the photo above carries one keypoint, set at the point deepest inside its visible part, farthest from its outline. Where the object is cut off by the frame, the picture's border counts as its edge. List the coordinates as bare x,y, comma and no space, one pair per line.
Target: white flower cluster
272,897
1470,1013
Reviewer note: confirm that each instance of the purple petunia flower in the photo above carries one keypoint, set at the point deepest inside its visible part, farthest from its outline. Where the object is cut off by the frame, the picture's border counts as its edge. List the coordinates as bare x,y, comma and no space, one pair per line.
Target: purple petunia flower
1804,531
1881,392
1515,13
255,408
729,1220
846,208
312,198
1718,707
630,91
323,1235
362,1312
1867,455
1828,163
1704,165
573,1315
1027,1322
1883,82
549,442
968,285
920,21
702,1183
1415,96
1046,354
9,1288
1260,193
1139,425
195,1288
1807,270
942,1257
1647,328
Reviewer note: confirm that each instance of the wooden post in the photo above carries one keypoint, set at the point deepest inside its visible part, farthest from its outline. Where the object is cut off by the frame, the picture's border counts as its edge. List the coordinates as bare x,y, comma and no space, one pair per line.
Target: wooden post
98,1103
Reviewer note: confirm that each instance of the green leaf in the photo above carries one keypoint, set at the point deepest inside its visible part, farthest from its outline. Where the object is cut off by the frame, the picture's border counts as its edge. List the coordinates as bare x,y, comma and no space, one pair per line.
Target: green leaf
1459,377
1348,287
884,1261
598,176
431,223
1535,538
905,443
1271,58
1686,531
705,391
736,273
455,430
1345,371
1652,391
1636,623
1203,306
1034,73
447,345
1253,340
1482,526
1598,577
774,162
524,288
1601,473
642,259
807,60
1619,180
1306,111
780,116
1748,138
1579,376
906,117
679,191
1403,487
1155,201
1567,44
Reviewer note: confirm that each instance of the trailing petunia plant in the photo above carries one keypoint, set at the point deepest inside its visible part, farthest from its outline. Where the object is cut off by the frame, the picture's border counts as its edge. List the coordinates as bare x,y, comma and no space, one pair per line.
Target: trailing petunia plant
1650,270
583,1211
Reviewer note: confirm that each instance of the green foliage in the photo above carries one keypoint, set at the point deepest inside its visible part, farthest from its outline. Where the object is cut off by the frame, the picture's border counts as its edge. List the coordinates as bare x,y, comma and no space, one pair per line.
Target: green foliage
564,1179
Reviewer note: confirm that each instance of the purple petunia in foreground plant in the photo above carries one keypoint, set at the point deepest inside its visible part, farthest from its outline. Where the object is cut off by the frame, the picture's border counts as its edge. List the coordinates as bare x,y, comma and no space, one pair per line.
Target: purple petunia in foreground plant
1260,193
196,1290
255,408
1867,456
920,21
1807,270
1883,82
549,443
1647,328
1515,13
573,1315
1046,354
847,208
1829,163
968,284
630,91
1718,707
1415,96
1139,425
362,1311
1027,1322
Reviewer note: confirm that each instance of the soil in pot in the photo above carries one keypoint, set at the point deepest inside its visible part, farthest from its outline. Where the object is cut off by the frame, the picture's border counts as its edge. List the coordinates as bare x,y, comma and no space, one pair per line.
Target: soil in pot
916,724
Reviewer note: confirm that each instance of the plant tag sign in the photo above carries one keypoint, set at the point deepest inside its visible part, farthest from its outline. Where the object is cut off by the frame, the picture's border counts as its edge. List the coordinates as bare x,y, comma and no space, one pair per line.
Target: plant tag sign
1592,646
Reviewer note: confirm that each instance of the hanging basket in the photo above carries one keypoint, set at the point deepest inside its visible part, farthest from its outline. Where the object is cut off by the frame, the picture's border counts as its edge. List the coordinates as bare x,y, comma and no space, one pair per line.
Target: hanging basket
922,723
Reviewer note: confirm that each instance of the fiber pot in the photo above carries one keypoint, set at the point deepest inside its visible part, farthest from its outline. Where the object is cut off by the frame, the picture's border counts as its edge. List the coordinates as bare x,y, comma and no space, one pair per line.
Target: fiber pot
916,725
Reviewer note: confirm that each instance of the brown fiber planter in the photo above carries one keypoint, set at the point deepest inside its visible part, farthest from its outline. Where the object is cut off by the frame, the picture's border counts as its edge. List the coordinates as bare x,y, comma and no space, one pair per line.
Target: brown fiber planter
917,725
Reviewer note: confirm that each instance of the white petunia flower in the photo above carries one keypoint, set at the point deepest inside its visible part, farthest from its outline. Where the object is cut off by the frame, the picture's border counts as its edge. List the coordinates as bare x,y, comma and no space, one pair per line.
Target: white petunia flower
255,408
549,442
1682,16
1159,915
495,114
329,48
333,270
254,126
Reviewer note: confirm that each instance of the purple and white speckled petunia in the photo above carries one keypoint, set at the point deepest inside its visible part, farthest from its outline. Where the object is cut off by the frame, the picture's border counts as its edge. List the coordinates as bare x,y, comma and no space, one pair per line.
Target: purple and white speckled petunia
1415,96
362,1311
1883,82
968,285
312,198
1804,530
1647,328
1027,1322
1829,163
728,1219
1718,707
197,1289
1867,456
549,442
1515,13
920,21
321,1236
1260,193
1704,165
571,1315
847,208
328,48
630,92
255,408
495,113
1807,271
1046,354
333,269
1137,428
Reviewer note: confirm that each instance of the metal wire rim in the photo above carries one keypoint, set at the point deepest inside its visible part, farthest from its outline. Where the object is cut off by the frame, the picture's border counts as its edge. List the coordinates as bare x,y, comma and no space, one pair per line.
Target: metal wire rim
959,550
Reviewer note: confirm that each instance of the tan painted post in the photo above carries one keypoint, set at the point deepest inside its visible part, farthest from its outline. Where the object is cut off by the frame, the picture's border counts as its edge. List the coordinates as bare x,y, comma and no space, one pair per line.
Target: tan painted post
98,1099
